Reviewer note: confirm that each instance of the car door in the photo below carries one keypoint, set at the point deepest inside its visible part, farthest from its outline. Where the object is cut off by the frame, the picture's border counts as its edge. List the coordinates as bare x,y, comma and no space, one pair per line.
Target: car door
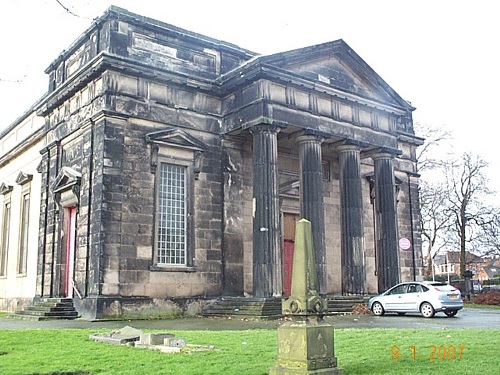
394,299
410,301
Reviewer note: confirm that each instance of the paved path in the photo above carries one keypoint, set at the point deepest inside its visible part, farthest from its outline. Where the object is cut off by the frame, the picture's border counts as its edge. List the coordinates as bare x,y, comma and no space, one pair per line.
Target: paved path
466,318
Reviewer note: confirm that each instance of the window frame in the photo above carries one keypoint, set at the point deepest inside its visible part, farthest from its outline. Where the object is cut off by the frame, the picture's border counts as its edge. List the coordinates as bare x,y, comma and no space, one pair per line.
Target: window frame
189,206
5,235
24,222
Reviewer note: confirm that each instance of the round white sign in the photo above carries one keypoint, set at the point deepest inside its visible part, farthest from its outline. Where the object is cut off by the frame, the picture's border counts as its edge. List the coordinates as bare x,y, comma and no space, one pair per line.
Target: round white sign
404,243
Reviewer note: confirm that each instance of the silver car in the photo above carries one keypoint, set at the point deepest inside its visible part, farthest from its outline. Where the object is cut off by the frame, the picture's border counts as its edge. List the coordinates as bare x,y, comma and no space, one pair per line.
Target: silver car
425,297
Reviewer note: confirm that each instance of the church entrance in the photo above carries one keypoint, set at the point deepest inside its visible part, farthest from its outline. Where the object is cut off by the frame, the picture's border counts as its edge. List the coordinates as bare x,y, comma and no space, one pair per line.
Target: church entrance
68,242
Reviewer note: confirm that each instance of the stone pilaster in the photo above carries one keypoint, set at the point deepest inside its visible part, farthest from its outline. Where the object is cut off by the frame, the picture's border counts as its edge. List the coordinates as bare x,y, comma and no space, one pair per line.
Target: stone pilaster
352,253
386,216
47,278
267,268
311,198
233,240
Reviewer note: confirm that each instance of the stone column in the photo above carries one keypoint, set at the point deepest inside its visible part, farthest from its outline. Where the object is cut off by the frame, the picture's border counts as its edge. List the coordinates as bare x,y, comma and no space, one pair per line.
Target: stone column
386,216
267,274
352,252
311,198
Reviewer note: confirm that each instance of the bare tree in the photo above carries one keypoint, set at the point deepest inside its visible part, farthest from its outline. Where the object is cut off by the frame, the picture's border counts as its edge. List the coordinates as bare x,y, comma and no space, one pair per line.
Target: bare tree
453,195
432,191
489,238
428,157
435,220
468,190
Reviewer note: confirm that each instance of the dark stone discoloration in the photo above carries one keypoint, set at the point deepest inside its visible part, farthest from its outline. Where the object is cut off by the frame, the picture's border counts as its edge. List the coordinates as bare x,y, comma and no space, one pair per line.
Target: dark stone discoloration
353,263
311,199
385,205
267,281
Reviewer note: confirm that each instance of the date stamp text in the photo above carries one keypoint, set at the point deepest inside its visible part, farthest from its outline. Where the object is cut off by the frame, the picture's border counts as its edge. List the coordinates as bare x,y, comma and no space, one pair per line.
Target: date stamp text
432,353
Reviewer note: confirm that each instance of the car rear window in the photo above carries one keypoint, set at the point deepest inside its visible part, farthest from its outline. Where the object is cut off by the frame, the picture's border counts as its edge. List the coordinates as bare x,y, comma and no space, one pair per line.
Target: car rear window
443,287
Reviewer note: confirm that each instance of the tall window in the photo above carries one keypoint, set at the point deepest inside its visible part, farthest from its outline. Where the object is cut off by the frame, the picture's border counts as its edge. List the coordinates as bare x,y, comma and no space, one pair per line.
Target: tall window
4,245
172,215
23,238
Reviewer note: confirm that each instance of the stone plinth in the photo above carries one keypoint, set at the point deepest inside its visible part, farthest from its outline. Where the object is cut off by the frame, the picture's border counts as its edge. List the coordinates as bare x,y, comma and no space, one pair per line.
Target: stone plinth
306,347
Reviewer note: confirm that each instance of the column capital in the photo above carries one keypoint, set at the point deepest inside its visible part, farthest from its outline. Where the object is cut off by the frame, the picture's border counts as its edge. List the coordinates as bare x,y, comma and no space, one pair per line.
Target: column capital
265,124
309,135
382,153
349,144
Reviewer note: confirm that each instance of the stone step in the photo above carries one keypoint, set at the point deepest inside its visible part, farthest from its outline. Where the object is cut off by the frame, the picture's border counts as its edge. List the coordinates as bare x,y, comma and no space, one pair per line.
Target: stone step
54,304
48,308
38,317
55,299
258,308
271,308
48,313
39,307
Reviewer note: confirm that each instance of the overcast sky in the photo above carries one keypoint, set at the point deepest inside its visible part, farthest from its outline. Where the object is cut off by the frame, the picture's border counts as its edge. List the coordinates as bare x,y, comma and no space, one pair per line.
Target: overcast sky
441,55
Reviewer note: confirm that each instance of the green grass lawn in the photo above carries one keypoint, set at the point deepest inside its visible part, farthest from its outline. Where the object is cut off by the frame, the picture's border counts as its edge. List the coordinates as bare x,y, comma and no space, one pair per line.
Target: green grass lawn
359,351
478,306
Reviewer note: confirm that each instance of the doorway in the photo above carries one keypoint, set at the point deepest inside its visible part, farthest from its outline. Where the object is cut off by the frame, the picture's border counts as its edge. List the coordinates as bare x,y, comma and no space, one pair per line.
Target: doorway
68,242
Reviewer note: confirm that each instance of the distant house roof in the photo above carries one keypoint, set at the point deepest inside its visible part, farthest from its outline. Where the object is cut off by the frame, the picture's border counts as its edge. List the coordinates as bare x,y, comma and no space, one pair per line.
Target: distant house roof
492,271
453,257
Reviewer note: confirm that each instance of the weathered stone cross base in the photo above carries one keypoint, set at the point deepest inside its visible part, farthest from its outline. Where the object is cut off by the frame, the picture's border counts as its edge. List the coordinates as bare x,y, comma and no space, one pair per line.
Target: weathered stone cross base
306,347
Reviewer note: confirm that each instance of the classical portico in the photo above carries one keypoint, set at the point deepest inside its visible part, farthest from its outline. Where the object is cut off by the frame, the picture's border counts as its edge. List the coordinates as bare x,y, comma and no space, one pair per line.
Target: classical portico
337,136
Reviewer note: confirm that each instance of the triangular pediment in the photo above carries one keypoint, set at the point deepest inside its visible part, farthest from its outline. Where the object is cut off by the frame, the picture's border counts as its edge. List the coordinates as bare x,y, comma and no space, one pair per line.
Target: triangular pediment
335,64
177,138
23,178
66,179
5,188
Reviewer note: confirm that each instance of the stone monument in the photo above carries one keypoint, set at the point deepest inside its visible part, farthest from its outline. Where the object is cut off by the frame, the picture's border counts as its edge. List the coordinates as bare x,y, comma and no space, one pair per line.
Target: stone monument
305,343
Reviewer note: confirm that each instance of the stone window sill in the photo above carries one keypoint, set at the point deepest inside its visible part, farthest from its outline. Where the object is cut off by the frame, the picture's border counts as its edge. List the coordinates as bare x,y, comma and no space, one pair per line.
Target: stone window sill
172,269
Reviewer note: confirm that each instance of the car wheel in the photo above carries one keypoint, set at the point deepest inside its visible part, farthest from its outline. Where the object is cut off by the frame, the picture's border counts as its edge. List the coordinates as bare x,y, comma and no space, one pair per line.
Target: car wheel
451,313
427,310
378,309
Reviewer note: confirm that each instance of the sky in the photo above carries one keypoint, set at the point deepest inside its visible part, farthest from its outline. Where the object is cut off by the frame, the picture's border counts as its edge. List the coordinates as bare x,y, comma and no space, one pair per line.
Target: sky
440,55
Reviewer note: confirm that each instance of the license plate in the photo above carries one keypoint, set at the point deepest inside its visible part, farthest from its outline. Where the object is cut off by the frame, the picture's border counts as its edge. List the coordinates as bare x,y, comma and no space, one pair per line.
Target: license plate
453,296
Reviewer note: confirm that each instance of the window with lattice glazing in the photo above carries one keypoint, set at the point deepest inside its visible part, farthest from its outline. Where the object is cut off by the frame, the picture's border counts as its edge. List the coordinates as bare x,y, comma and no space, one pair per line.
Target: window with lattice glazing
172,215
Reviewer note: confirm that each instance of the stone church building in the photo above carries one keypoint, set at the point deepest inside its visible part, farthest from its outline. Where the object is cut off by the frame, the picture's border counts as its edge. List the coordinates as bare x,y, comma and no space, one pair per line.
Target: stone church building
171,169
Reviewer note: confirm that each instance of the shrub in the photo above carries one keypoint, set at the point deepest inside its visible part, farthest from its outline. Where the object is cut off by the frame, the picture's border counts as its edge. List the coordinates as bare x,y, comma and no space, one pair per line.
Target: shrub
489,298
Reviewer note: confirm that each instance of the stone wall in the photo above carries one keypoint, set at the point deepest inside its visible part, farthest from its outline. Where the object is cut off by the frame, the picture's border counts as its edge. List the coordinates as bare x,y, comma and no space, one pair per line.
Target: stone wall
19,160
131,92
